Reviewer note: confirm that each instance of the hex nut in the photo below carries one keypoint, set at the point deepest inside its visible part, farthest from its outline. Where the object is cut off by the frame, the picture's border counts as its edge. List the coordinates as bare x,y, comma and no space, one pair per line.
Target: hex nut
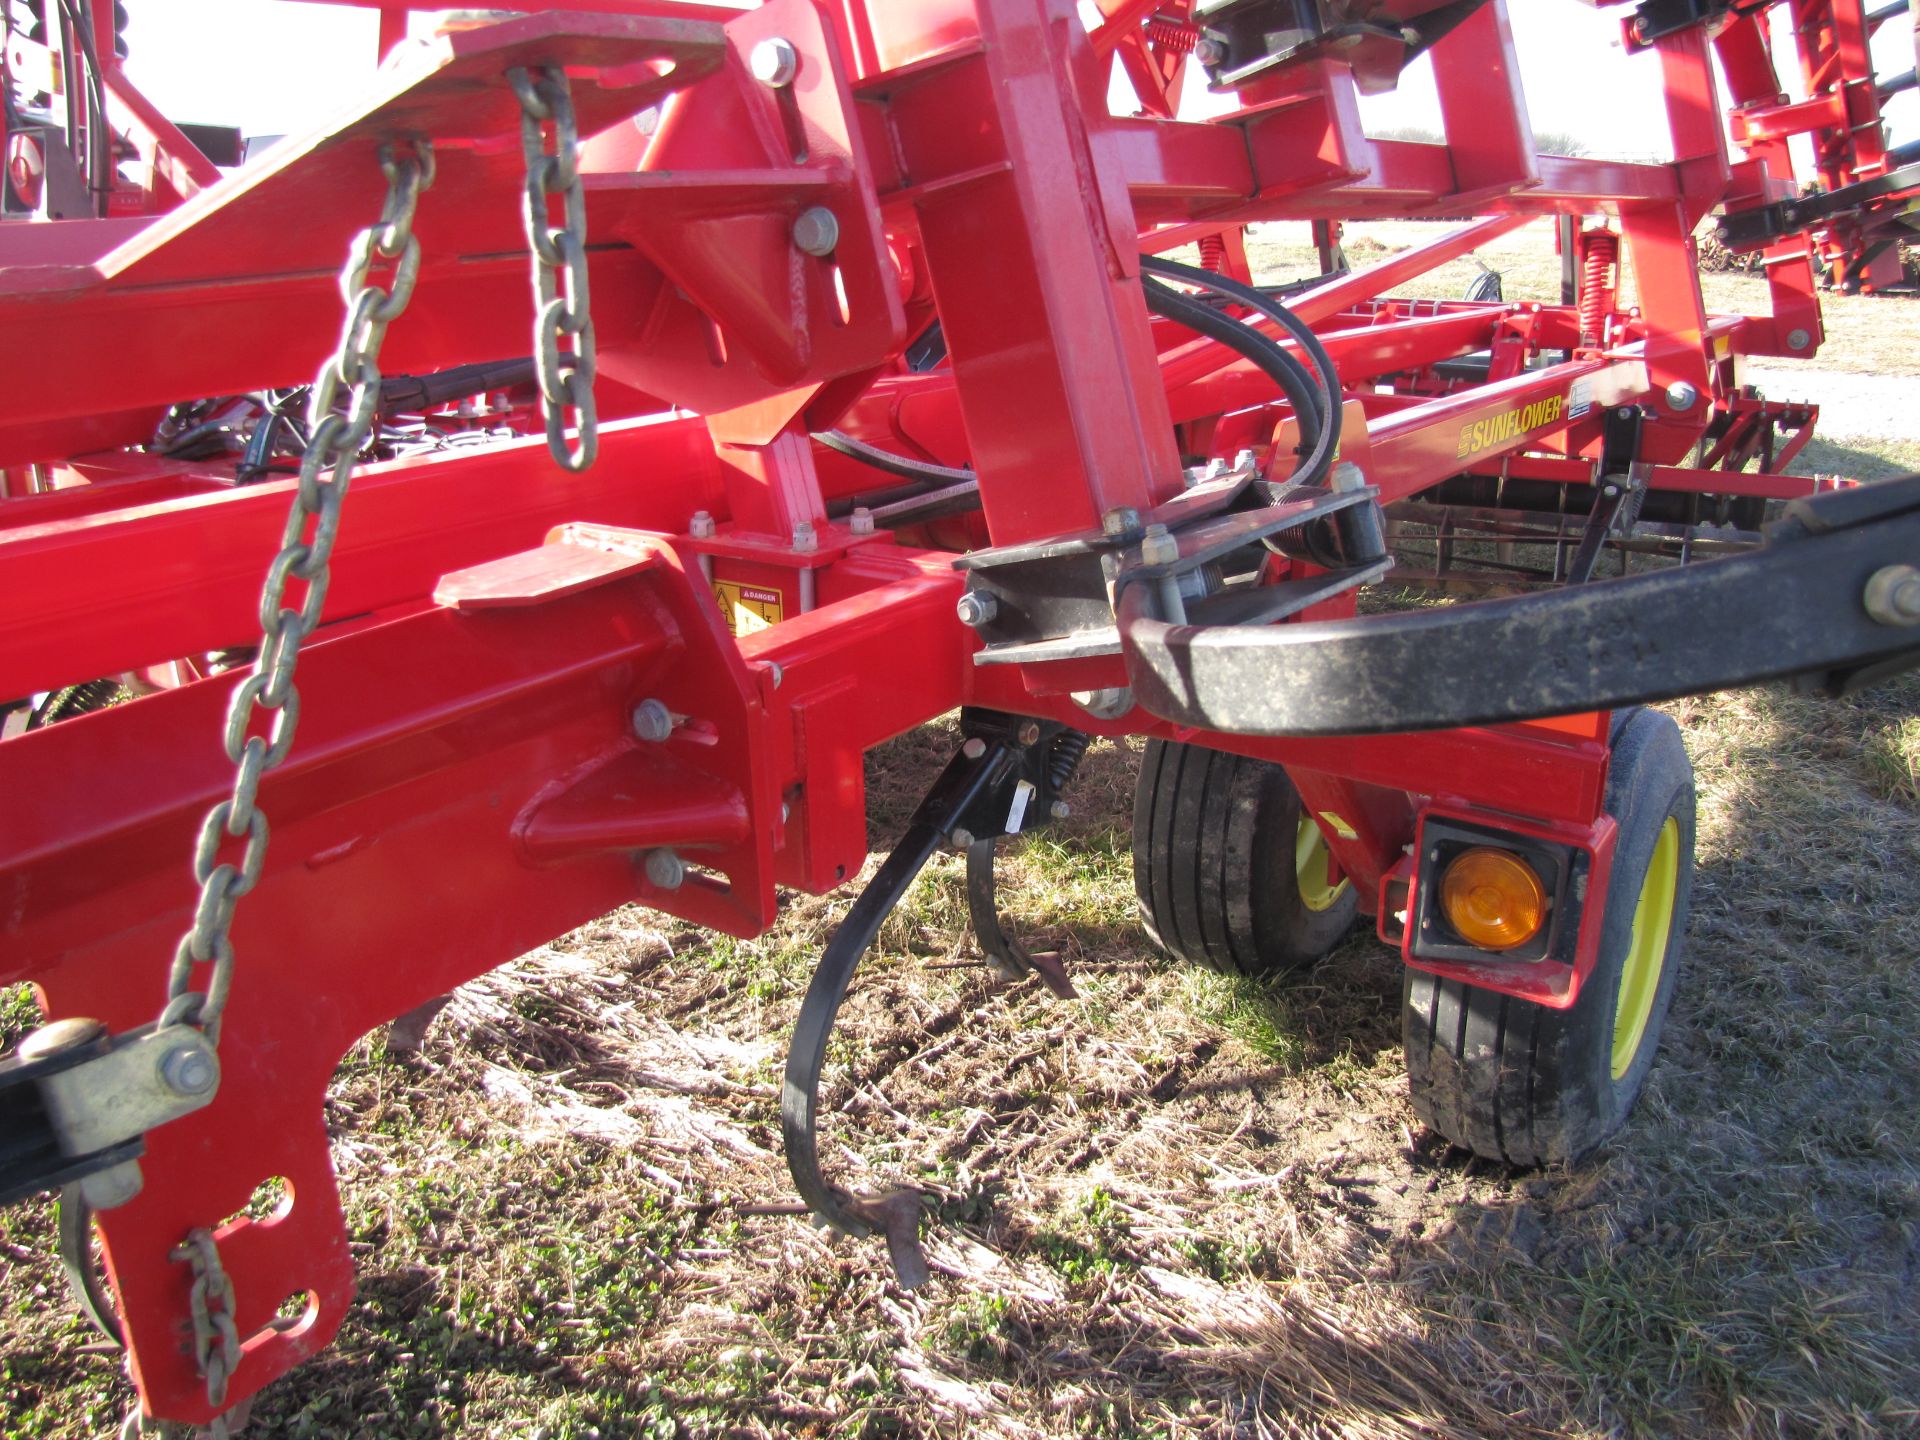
774,62
1159,547
861,521
817,231
976,608
701,526
1123,520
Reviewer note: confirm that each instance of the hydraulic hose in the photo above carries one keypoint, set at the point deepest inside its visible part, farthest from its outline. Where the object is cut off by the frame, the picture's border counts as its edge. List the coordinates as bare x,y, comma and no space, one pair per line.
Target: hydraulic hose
1321,457
1296,382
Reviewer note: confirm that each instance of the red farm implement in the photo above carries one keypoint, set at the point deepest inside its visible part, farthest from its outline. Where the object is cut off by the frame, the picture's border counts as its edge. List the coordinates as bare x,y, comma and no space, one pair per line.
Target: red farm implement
868,393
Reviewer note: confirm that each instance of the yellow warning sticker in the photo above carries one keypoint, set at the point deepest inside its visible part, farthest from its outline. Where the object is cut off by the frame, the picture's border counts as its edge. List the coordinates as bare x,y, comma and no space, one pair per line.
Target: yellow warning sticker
748,608
1497,430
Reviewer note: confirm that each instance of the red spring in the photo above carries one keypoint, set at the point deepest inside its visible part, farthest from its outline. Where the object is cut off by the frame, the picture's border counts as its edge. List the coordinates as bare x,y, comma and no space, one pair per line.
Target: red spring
1602,249
1213,253
1173,37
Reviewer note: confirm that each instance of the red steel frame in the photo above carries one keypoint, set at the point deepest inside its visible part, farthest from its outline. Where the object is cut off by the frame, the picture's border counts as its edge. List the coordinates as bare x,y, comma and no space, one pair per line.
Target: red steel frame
466,783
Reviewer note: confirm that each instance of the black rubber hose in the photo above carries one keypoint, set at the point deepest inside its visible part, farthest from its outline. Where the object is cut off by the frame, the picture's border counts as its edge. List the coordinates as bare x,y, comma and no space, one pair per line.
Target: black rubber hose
1293,378
1329,378
888,461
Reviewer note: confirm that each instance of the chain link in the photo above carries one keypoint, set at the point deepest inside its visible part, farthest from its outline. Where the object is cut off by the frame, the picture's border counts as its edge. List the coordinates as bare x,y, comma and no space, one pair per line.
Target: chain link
336,443
216,1338
559,255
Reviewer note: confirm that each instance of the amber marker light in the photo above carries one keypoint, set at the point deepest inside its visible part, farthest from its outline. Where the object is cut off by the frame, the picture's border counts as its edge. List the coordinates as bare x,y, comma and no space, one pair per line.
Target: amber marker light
1493,898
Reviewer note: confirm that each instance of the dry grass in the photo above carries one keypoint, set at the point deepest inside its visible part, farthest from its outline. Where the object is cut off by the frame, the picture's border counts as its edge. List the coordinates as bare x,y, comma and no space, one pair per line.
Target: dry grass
1178,1207
1181,1207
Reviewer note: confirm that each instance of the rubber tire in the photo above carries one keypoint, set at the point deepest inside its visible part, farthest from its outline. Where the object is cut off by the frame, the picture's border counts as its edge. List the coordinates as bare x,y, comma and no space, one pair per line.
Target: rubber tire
1213,864
1529,1085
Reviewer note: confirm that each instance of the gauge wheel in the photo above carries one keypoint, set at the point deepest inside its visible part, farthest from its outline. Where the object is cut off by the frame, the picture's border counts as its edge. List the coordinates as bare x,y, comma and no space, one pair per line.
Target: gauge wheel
1231,871
1530,1085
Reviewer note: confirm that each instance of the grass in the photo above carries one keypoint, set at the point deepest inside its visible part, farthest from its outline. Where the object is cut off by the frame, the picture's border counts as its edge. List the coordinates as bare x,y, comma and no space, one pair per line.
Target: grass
1181,1207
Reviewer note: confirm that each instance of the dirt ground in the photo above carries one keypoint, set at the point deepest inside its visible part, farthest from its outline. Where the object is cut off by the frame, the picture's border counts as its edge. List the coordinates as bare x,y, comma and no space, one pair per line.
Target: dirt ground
1179,1206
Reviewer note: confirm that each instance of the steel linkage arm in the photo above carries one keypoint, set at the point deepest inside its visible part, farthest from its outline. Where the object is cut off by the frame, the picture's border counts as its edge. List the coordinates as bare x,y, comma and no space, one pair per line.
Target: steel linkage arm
1833,595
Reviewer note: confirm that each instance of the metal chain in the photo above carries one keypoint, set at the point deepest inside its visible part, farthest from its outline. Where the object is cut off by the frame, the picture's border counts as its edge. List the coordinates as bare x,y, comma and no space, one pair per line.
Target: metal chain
306,548
216,1338
559,254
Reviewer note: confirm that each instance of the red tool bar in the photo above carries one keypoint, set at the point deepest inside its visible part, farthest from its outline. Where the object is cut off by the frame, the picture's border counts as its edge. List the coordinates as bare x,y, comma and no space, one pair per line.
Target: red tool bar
144,584
1424,444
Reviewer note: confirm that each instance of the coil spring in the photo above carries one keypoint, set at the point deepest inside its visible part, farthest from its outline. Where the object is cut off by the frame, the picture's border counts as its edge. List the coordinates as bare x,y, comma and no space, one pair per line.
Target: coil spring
1172,36
1213,253
1603,254
1063,757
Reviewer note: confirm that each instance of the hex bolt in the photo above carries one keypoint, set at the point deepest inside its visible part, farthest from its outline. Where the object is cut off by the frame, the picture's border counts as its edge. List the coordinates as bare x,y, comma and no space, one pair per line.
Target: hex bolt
974,748
665,870
1893,595
1158,547
861,521
700,527
1246,459
1681,396
1108,704
976,608
1347,476
1061,810
962,839
189,1070
652,721
1209,51
816,231
59,1037
1028,733
774,62
1798,339
1121,521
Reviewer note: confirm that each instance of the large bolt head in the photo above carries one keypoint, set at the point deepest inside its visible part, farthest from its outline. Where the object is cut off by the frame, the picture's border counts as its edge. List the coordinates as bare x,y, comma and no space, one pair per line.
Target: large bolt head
60,1037
1893,595
816,232
190,1070
665,869
774,62
652,721
1681,396
1798,339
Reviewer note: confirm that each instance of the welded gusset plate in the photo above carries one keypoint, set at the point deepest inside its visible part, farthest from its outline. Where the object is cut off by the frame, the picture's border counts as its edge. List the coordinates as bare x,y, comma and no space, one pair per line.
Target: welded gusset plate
1795,607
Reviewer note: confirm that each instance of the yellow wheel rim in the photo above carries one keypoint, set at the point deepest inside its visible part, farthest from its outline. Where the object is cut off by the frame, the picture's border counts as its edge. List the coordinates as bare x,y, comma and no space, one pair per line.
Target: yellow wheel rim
1313,867
1646,949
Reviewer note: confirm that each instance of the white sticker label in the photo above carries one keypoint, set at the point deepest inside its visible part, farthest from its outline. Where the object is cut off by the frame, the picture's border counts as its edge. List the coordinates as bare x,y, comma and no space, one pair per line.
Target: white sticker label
1022,793
1580,397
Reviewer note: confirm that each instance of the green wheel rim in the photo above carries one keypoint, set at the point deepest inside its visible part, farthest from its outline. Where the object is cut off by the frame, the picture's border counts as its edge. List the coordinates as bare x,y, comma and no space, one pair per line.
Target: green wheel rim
1646,949
1313,867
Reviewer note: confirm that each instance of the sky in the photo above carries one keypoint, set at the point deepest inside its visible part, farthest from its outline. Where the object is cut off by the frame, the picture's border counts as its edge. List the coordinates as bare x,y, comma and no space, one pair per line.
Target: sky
274,66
